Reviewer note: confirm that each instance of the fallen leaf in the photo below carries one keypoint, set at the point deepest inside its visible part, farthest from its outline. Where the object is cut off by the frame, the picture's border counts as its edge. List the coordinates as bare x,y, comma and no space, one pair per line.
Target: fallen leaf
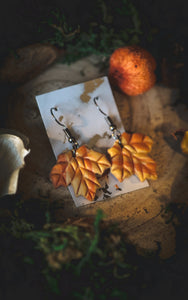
184,143
183,134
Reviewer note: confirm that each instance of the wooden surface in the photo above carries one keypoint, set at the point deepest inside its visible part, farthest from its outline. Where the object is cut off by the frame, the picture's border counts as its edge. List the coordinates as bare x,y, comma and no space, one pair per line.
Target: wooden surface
26,63
141,214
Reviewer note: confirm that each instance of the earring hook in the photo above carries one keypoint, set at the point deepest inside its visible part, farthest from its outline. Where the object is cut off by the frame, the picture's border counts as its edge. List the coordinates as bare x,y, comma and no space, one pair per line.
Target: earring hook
115,132
57,121
67,132
95,101
109,121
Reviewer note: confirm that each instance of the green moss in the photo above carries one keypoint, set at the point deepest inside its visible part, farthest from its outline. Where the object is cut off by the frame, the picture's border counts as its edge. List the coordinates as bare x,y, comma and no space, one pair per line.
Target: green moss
102,35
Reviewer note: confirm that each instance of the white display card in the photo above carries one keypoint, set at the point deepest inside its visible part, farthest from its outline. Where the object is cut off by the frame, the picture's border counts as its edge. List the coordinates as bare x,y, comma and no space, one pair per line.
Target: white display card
77,111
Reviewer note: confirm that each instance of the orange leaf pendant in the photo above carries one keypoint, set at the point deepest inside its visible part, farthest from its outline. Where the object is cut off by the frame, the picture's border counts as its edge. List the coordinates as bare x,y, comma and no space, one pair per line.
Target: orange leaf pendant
130,157
79,170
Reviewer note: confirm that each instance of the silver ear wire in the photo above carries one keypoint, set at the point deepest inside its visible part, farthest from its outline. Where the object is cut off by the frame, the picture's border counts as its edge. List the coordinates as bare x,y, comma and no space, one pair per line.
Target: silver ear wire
115,132
67,132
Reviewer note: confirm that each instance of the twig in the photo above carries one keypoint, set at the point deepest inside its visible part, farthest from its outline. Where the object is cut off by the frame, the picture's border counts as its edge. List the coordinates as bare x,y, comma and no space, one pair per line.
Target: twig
66,35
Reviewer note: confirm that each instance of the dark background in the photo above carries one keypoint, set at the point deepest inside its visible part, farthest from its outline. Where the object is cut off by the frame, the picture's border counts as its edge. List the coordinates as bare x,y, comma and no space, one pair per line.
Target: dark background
20,19
22,23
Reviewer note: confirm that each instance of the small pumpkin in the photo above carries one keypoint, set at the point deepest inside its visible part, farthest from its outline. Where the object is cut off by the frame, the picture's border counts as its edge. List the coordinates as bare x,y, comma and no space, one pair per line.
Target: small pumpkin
131,69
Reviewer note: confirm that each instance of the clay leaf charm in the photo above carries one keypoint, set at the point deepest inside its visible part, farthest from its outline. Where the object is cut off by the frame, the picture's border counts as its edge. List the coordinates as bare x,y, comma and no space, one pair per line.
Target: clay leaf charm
79,170
130,157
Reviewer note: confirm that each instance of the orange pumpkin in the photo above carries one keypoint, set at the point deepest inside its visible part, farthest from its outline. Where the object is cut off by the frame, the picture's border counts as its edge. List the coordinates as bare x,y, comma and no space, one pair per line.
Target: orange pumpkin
132,70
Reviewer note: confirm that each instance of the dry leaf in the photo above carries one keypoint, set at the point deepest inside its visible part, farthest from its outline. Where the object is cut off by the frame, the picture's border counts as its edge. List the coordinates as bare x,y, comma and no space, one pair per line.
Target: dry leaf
184,139
184,143
131,157
79,171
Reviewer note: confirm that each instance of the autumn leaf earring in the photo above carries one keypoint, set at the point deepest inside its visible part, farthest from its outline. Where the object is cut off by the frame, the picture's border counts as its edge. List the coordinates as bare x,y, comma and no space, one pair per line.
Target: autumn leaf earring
129,154
78,167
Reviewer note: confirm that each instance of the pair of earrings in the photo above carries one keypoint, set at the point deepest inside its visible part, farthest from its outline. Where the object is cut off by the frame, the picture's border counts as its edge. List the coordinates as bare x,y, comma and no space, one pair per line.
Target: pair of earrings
128,156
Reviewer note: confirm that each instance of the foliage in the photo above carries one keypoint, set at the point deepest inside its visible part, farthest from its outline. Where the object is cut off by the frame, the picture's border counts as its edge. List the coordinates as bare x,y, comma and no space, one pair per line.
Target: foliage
82,258
110,27
93,257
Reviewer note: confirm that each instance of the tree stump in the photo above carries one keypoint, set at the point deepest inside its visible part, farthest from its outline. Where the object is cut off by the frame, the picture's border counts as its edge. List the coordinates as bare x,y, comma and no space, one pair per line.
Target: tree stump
140,214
